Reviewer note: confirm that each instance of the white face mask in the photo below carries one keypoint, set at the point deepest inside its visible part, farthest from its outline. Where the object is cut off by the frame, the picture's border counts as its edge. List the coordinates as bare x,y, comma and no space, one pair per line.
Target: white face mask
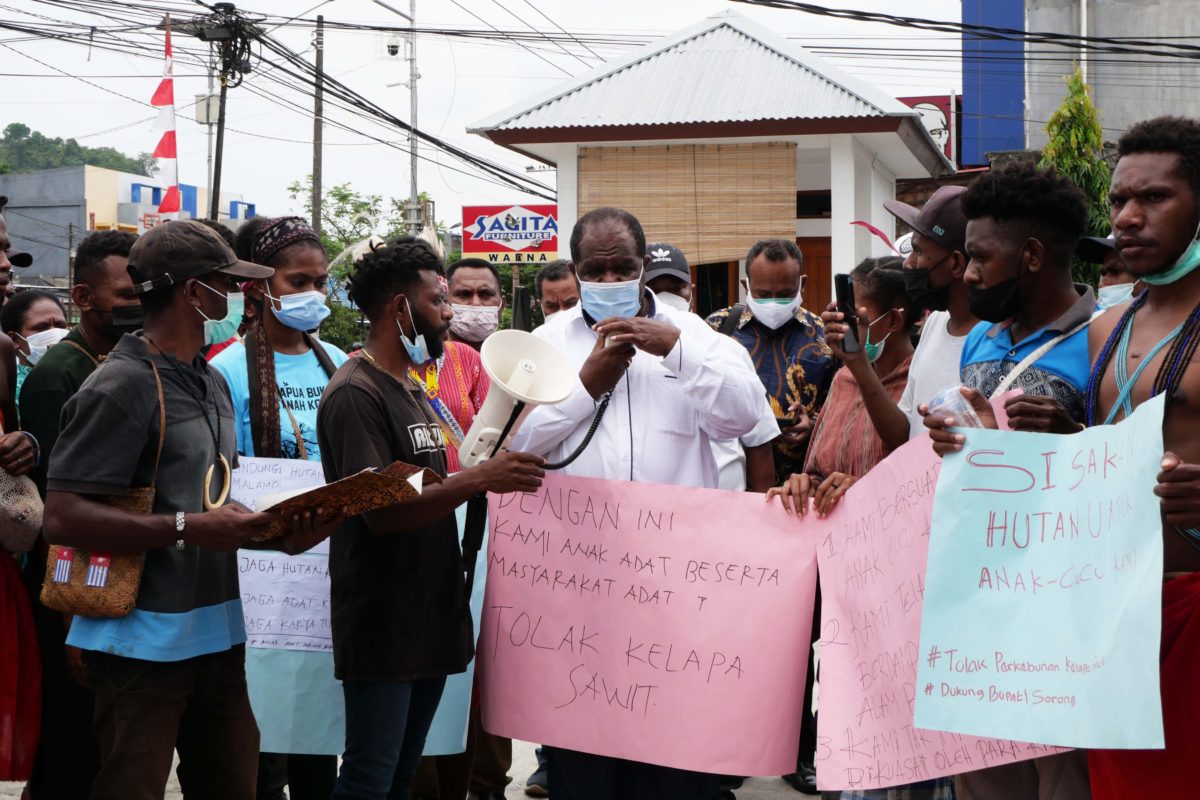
554,314
1115,295
673,301
42,341
774,312
474,323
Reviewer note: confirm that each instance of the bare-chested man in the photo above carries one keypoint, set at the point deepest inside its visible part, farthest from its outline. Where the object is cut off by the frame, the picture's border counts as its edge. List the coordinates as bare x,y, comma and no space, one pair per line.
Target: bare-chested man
1155,198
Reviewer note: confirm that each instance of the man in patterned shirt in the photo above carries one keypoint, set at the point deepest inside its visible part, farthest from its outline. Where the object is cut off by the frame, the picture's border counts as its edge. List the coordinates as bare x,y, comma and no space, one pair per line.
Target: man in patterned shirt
786,343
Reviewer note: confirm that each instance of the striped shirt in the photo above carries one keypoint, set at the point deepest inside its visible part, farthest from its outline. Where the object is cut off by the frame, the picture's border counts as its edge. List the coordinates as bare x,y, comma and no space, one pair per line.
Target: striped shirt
462,386
845,439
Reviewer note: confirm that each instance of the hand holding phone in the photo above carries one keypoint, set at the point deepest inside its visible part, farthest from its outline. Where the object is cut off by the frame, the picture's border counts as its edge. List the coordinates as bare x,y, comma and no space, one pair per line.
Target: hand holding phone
844,294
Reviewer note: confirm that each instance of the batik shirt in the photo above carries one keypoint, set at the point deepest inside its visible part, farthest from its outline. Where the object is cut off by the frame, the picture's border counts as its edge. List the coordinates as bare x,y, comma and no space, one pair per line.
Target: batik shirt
794,364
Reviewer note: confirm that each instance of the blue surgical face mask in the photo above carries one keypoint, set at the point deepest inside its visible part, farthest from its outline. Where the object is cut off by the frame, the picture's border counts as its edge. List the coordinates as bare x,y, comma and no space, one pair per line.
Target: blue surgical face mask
1115,295
873,350
302,311
417,349
1186,264
224,329
603,300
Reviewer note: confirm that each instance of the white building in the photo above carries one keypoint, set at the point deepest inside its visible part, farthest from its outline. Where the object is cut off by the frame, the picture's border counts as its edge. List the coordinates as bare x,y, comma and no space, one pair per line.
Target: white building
722,134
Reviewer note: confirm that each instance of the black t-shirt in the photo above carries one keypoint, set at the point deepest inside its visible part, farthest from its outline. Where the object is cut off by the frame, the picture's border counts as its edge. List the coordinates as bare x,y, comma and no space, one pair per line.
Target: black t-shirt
55,379
397,601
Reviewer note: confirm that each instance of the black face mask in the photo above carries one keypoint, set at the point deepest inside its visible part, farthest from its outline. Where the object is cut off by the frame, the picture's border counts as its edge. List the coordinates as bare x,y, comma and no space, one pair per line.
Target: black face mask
916,286
127,319
997,303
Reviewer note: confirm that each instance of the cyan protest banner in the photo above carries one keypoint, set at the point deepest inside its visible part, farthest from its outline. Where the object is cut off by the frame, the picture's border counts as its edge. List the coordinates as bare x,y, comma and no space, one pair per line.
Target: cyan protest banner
1044,584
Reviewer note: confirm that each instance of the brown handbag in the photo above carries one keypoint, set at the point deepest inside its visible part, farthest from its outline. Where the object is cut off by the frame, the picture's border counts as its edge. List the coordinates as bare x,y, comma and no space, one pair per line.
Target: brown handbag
94,584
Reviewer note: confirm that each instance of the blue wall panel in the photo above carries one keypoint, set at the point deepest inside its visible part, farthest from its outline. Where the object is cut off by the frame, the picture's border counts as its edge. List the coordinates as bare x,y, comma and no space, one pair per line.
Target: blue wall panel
993,74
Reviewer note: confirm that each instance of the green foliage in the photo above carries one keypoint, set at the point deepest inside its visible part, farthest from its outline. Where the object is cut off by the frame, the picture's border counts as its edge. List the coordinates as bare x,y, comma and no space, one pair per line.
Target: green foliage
1076,149
348,217
26,150
345,325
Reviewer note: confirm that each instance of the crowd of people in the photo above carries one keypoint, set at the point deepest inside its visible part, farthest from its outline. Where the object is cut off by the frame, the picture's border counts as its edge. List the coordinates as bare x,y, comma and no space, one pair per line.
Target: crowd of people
194,347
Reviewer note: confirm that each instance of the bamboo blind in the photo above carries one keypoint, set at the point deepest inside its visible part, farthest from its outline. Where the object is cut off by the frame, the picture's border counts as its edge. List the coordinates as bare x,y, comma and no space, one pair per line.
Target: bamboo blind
712,201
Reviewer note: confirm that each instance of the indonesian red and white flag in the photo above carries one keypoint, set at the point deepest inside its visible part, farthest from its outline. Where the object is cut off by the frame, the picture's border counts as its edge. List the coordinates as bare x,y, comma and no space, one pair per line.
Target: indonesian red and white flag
165,152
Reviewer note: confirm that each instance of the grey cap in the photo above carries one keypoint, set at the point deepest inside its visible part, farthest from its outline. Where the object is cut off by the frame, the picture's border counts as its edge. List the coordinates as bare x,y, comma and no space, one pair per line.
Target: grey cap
171,252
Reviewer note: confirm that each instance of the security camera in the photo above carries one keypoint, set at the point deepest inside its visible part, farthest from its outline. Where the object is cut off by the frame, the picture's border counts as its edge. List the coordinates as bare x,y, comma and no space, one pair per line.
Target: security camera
393,45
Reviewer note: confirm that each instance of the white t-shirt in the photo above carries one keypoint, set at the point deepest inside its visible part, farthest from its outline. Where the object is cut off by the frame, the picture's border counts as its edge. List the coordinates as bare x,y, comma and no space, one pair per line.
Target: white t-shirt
935,366
731,455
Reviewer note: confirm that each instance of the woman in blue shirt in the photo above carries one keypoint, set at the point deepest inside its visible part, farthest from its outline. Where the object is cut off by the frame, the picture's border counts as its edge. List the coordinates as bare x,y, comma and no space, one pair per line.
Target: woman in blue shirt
276,377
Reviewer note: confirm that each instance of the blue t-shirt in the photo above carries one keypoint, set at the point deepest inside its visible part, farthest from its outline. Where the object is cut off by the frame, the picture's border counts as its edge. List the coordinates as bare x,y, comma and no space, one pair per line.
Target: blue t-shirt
301,382
1062,373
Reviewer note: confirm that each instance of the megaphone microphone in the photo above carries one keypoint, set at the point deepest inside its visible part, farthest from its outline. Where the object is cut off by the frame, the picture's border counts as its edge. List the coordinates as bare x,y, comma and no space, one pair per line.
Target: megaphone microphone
525,371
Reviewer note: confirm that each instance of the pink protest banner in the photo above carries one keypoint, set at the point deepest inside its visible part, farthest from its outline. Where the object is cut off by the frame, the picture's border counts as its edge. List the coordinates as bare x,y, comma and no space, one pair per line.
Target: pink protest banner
662,624
872,552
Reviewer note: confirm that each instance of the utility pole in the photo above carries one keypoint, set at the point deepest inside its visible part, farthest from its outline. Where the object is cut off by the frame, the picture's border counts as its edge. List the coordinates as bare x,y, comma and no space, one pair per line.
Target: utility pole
414,206
70,266
413,210
318,125
225,30
208,119
214,193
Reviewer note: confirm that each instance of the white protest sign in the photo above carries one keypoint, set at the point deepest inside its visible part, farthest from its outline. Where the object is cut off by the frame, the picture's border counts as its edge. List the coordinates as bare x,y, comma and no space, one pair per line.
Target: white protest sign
285,599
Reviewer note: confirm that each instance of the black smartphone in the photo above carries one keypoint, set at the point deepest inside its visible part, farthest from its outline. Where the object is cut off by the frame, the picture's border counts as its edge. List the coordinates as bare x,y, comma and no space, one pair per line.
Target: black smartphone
843,291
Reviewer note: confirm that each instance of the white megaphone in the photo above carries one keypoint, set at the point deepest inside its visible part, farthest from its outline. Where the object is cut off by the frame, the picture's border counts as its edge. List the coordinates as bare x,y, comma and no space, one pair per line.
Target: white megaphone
525,372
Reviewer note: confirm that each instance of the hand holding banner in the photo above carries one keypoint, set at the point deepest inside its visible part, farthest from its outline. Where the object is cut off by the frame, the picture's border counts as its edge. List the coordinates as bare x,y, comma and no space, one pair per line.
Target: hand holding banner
662,624
871,551
1042,615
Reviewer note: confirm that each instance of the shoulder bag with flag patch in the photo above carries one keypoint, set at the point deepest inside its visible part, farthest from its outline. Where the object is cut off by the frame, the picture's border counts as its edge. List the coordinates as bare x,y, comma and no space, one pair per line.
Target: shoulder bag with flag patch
95,584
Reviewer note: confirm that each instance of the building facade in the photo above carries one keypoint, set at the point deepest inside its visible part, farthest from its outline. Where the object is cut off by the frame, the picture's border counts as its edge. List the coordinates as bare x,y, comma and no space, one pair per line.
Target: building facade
49,211
722,134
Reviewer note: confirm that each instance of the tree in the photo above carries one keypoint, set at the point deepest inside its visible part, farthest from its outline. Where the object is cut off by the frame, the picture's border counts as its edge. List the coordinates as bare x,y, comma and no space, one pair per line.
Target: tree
25,150
1075,148
347,218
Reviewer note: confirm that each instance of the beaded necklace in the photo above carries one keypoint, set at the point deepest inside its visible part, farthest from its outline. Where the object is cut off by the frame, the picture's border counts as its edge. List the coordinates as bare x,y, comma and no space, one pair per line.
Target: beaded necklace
1184,340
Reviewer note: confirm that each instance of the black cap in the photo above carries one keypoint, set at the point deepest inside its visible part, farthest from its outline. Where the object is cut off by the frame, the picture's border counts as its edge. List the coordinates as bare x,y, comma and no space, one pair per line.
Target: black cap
666,259
940,219
1092,249
173,251
19,258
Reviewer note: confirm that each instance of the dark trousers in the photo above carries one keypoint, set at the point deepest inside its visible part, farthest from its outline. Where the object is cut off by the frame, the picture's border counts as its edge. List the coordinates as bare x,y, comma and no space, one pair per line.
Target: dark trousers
67,713
583,776
808,720
386,726
306,777
481,768
146,710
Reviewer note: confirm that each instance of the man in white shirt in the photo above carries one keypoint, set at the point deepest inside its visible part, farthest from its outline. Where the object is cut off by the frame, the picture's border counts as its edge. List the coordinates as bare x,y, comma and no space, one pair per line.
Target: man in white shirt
672,386
743,464
933,277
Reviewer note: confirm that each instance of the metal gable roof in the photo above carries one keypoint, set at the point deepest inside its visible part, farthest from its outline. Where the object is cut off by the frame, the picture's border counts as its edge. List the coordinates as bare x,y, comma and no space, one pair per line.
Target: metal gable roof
723,69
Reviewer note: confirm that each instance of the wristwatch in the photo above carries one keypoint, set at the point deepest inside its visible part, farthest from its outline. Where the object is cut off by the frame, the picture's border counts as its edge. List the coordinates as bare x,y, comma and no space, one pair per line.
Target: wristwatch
180,524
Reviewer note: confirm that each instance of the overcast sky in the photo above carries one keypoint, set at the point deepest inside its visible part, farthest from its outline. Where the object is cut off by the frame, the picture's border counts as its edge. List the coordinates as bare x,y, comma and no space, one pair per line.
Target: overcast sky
461,82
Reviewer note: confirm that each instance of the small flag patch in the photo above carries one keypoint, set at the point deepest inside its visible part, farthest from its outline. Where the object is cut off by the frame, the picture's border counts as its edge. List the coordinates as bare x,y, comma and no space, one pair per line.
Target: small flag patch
62,566
97,574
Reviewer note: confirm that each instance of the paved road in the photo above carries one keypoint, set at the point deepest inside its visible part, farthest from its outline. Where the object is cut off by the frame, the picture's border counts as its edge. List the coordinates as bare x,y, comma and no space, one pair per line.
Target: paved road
523,764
